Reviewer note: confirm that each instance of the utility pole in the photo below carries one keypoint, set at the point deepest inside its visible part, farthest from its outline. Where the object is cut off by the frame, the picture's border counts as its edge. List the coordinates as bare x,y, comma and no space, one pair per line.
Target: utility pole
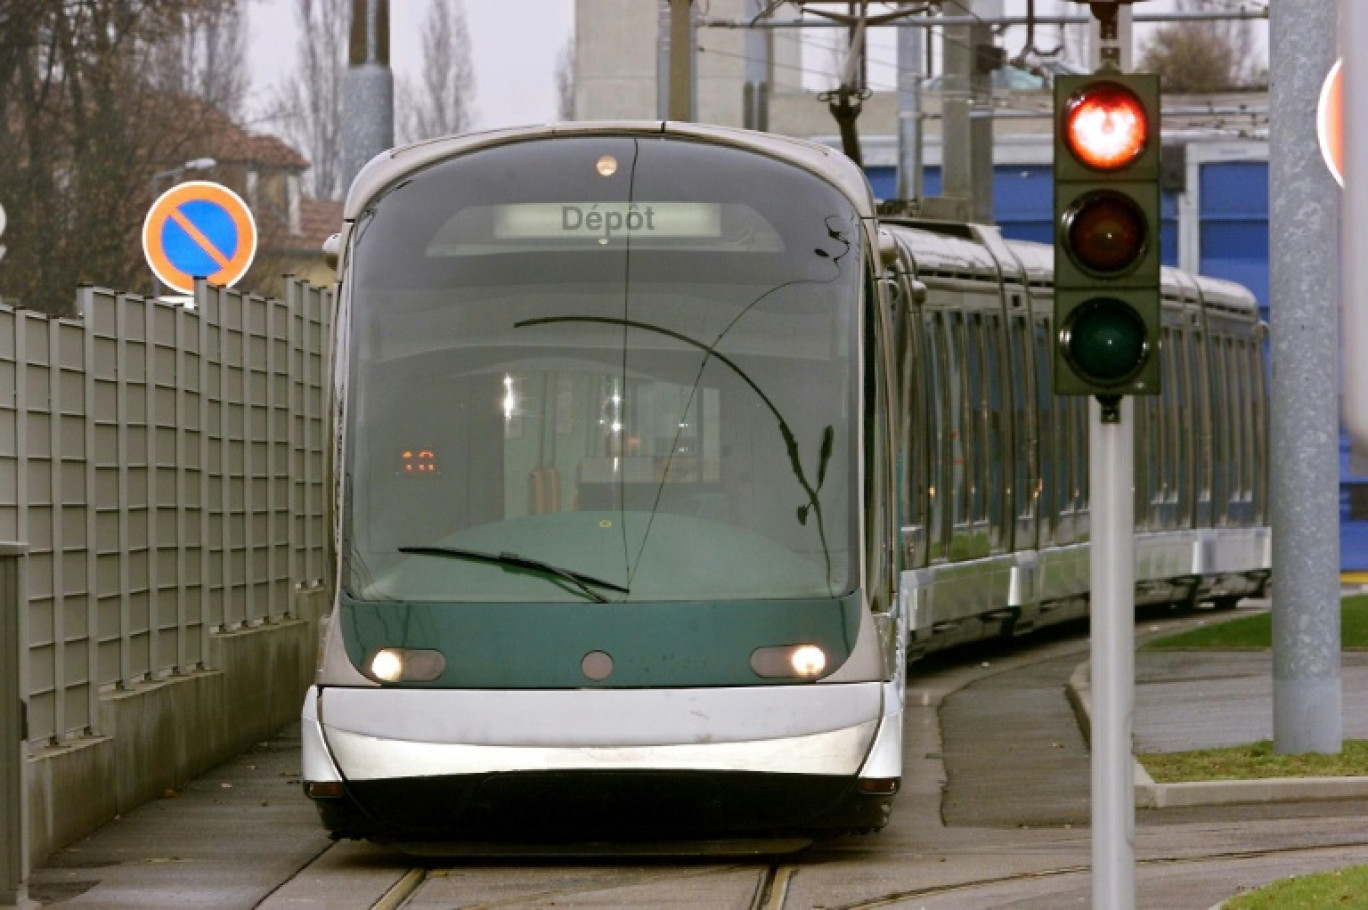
1304,443
367,89
911,69
966,141
755,102
682,84
957,181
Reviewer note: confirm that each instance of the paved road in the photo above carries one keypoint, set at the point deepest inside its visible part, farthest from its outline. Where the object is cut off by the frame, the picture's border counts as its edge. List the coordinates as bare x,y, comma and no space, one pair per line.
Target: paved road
993,815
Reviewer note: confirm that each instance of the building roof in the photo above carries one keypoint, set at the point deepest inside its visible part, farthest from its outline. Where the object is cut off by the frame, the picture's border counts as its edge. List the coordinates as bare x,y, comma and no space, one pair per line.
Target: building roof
319,219
229,143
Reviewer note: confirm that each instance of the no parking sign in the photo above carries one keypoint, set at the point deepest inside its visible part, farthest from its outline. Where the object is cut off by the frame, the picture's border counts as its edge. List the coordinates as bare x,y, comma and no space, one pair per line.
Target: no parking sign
199,229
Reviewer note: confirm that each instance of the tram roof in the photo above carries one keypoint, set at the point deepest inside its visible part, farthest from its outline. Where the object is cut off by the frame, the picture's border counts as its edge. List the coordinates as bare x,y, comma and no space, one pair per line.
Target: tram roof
1177,284
392,165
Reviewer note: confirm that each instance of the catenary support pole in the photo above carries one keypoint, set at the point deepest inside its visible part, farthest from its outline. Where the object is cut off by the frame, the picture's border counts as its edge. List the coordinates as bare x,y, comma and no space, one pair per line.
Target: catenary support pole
759,42
681,60
981,128
1304,456
957,178
662,59
367,89
911,70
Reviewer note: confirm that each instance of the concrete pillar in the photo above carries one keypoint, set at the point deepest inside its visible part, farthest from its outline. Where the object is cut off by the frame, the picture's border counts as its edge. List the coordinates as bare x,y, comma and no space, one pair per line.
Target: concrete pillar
1304,423
367,89
13,746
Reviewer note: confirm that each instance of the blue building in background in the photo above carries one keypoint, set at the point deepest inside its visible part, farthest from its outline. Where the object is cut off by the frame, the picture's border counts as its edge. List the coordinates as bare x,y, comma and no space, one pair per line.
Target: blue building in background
1215,204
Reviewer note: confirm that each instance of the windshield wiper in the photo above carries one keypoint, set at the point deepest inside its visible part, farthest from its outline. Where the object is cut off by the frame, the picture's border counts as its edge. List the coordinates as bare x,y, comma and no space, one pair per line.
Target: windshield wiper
516,561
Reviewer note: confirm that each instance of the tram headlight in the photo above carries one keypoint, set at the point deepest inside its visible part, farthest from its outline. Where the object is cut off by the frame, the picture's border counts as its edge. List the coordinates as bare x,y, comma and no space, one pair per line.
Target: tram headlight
804,661
394,665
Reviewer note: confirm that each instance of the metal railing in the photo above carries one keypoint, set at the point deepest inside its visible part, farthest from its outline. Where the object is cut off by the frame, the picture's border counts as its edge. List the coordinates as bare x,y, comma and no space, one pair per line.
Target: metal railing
164,464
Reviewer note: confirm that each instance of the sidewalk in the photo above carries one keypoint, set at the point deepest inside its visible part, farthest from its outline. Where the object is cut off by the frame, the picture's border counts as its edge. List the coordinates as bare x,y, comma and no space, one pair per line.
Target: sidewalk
226,839
1187,700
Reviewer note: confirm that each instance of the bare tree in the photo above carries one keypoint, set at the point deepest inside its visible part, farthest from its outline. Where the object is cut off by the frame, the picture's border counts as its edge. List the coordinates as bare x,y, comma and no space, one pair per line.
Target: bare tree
1204,56
565,81
309,105
205,56
439,102
84,134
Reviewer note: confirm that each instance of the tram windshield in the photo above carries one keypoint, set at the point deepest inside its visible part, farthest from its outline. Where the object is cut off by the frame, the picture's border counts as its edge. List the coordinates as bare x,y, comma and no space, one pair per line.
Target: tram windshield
607,368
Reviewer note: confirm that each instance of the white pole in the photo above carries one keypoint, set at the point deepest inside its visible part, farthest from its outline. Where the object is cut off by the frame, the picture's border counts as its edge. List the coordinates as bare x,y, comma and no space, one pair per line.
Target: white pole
1112,569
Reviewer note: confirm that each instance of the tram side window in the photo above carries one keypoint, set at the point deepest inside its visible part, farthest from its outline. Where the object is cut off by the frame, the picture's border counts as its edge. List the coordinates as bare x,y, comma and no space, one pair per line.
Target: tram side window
970,538
1078,467
879,503
1048,426
1230,426
1025,458
916,419
1240,354
997,456
939,444
1220,418
1235,371
1178,377
1204,455
1226,413
1146,486
1258,451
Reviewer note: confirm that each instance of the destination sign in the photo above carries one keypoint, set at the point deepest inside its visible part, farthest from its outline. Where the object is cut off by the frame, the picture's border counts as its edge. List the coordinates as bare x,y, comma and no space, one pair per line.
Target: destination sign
606,221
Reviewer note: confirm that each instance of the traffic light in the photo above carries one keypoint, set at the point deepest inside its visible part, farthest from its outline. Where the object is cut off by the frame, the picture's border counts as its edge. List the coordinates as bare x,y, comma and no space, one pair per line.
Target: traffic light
1106,211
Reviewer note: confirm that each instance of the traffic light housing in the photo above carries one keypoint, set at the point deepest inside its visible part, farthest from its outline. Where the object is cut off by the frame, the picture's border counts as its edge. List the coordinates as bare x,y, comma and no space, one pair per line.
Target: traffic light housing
1107,218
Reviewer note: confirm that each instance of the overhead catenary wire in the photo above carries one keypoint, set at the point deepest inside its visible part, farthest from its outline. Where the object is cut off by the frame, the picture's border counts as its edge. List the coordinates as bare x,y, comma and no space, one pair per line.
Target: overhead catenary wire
992,104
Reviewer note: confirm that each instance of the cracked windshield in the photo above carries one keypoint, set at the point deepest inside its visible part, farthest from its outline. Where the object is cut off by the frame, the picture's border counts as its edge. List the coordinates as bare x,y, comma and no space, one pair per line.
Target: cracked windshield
618,375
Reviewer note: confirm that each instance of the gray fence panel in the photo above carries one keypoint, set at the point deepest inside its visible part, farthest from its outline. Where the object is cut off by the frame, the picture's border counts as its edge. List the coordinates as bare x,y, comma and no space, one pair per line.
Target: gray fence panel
164,466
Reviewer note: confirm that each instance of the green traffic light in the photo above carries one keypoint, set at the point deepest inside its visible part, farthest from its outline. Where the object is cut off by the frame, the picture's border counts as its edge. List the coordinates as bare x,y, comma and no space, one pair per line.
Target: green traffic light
1105,341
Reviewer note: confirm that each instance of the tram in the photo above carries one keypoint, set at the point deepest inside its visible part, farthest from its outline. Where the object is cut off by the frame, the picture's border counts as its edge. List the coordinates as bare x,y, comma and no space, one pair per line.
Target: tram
616,509
994,512
660,453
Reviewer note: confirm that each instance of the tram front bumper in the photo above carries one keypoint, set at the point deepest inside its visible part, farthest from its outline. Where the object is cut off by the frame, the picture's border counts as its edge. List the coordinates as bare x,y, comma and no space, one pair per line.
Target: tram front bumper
431,763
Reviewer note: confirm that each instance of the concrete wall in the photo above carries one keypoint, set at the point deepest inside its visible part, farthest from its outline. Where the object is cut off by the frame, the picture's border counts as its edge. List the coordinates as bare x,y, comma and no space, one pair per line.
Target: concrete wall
161,734
162,471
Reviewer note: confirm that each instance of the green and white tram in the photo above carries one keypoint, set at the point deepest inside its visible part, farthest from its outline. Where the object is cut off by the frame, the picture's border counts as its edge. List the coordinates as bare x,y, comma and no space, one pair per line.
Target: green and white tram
615,493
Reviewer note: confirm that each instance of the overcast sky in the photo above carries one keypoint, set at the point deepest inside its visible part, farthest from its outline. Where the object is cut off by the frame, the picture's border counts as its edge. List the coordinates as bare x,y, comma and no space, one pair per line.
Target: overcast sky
515,45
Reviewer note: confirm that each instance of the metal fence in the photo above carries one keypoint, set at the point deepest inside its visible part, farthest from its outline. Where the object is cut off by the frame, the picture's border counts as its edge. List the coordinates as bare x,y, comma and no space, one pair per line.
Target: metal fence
164,465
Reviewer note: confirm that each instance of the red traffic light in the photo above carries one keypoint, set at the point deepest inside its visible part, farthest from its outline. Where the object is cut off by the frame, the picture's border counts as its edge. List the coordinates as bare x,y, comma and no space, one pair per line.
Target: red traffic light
1105,233
1105,126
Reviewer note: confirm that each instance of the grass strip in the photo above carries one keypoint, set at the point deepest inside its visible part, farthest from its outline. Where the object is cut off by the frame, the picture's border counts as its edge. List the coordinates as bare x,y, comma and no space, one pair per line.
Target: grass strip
1254,762
1347,888
1256,632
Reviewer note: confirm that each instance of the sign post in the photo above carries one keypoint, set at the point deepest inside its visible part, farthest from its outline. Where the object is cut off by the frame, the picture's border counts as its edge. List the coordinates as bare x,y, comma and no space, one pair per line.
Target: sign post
199,230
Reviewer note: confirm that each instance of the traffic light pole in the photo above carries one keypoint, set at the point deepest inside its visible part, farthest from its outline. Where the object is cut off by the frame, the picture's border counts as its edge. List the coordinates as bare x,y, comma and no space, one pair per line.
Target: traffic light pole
1107,324
1111,505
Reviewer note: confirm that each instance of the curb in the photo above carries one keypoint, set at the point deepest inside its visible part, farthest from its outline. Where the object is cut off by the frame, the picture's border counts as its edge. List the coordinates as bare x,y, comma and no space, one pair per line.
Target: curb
1151,795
